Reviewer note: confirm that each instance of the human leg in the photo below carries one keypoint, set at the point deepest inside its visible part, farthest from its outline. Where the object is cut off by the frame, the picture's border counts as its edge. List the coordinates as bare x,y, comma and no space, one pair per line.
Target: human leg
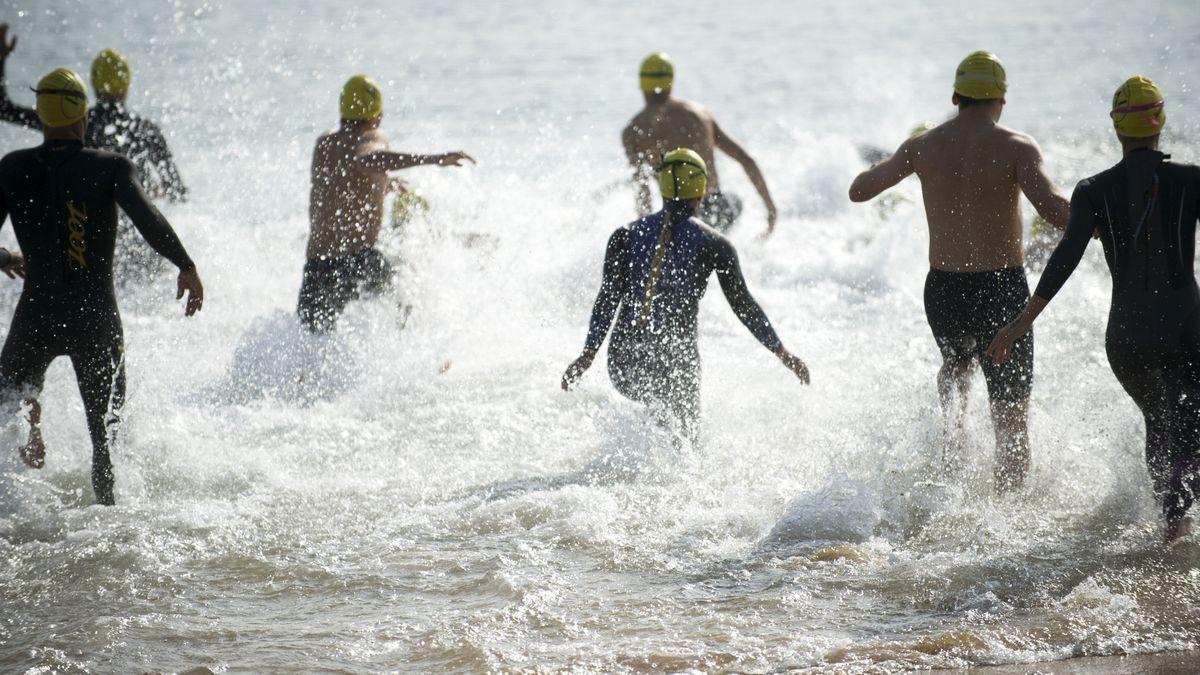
23,362
100,371
326,288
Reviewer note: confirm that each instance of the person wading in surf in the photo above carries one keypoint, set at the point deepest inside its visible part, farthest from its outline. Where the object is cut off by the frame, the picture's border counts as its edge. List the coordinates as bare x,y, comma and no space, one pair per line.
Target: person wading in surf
972,173
63,201
656,270
666,123
1145,210
350,168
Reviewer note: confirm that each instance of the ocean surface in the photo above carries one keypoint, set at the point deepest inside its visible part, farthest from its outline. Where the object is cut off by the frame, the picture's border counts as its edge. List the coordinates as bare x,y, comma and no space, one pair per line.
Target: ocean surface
420,495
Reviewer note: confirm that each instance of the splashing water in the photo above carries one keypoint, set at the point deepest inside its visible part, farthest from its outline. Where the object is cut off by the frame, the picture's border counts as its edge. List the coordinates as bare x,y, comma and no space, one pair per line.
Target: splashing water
415,491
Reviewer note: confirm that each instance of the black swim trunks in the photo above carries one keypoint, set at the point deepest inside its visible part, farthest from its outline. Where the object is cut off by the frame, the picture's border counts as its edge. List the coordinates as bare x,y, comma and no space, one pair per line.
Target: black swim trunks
331,283
720,210
965,309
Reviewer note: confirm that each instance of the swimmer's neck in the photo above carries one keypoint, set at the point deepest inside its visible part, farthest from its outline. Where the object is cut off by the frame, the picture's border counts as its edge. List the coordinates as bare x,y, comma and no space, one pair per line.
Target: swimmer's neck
656,99
1130,144
980,114
71,132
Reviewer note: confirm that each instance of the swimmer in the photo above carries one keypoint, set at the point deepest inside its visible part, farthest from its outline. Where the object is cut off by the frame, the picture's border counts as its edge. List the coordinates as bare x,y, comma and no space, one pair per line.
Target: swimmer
111,126
666,123
1145,208
349,182
656,270
972,173
63,199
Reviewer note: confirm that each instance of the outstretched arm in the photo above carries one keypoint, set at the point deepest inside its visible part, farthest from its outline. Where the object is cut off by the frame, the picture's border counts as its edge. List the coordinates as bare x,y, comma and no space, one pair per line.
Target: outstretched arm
9,111
870,183
1037,186
1062,264
748,311
739,154
608,300
641,175
386,160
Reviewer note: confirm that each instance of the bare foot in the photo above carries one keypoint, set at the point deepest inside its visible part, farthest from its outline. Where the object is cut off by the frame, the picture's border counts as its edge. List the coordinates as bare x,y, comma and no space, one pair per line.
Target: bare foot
33,453
1176,528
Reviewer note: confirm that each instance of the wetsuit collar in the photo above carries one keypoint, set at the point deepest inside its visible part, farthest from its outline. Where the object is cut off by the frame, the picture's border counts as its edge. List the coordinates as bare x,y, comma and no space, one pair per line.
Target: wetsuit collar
678,211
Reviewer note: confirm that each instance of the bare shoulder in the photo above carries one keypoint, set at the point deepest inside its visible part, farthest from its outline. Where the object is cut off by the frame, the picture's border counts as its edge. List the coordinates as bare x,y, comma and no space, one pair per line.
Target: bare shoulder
693,108
1021,143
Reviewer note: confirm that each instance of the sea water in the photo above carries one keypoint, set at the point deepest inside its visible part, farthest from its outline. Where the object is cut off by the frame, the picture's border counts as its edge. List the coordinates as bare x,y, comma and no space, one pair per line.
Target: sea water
415,492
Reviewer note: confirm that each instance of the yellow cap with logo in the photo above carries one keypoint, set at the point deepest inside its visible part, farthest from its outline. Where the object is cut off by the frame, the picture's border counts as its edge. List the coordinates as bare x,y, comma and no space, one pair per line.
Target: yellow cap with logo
981,75
657,73
111,74
1137,108
361,99
61,98
683,175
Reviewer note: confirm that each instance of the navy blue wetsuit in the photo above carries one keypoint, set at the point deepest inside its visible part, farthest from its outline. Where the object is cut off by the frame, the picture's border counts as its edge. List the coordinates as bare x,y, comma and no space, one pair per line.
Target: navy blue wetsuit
653,356
1145,209
63,202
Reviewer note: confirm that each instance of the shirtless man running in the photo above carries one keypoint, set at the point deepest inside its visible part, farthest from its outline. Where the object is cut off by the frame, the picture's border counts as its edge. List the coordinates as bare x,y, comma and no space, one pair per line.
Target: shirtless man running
972,172
667,123
349,182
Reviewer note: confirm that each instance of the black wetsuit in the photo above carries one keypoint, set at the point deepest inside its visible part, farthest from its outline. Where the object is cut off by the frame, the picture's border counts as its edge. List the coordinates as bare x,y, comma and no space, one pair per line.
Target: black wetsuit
63,202
1145,209
653,356
329,284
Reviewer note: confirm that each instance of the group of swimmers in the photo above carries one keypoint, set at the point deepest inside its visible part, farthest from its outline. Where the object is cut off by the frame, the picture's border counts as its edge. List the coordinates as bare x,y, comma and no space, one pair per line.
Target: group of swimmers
63,195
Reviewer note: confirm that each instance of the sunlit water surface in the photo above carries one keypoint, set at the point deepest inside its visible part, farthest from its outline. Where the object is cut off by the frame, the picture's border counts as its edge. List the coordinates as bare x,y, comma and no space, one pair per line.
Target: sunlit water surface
291,503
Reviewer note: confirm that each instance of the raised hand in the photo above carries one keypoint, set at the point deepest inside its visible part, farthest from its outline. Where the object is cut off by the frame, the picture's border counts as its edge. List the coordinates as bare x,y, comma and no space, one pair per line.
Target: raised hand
6,46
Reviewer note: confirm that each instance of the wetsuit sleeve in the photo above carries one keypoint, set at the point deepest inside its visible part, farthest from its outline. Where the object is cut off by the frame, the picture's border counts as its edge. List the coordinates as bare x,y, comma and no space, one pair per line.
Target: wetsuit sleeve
733,284
11,112
3,209
146,218
1070,250
612,288
164,163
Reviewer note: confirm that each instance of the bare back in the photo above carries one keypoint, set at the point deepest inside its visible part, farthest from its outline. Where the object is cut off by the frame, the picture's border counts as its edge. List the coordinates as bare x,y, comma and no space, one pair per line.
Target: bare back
968,169
345,208
660,128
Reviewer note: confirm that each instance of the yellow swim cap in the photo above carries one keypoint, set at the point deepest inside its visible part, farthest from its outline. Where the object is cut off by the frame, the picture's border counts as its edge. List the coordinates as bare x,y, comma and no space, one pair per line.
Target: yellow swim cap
683,175
110,73
61,98
361,99
657,73
981,75
1137,109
